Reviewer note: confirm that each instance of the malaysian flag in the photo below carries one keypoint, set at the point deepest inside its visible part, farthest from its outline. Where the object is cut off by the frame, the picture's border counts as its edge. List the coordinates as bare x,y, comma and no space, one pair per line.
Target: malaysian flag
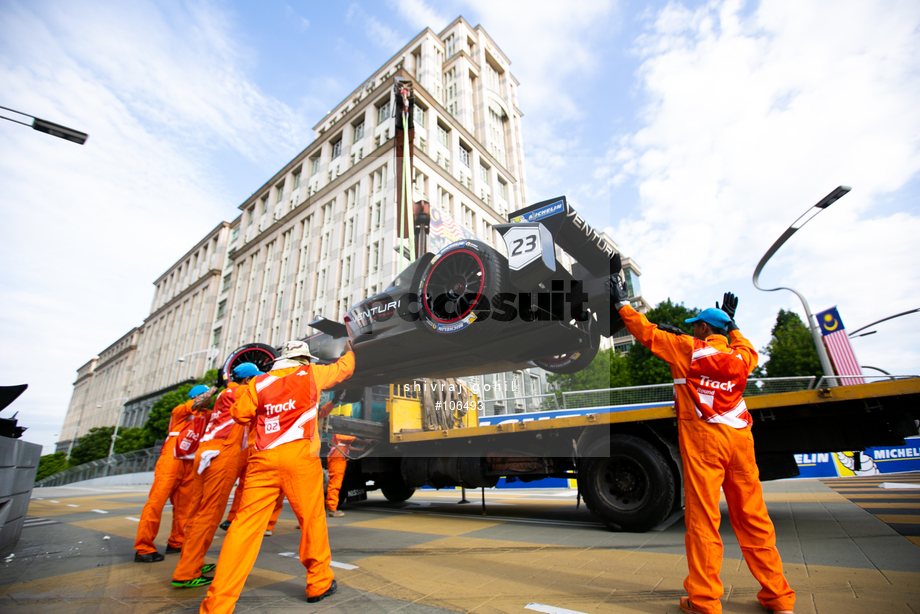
839,348
444,230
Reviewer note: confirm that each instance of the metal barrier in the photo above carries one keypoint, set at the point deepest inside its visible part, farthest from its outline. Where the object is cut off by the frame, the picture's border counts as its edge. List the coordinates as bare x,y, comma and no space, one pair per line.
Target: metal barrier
776,385
519,405
137,461
849,380
655,393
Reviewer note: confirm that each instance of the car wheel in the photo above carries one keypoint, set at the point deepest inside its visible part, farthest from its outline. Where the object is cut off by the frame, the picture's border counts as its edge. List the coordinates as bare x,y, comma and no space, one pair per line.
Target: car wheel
457,287
259,354
575,361
632,488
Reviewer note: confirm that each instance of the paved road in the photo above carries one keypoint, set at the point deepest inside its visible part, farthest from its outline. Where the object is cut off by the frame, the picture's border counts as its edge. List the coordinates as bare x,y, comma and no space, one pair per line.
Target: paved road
432,555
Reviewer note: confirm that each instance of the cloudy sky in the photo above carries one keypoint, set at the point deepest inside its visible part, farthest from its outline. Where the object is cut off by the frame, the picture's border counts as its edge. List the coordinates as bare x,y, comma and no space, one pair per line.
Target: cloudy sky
694,132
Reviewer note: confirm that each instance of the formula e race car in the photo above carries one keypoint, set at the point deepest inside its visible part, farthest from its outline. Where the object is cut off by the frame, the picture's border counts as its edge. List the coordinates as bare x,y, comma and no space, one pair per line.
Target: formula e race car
469,310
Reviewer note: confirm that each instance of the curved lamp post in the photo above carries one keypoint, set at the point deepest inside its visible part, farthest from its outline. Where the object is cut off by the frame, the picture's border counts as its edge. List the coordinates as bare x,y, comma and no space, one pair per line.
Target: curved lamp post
823,204
43,125
121,412
897,315
212,354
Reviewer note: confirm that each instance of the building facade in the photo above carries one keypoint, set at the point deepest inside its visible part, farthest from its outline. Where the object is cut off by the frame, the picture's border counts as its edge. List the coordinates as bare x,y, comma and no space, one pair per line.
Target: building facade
320,234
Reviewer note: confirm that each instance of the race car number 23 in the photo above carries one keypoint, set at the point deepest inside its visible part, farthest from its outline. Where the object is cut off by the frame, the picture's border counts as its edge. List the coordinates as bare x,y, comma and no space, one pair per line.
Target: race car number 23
524,246
520,248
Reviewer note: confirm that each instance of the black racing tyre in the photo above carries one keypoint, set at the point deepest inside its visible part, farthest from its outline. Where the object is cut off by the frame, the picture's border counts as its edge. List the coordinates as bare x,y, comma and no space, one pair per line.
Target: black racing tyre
259,354
396,490
632,489
457,287
573,362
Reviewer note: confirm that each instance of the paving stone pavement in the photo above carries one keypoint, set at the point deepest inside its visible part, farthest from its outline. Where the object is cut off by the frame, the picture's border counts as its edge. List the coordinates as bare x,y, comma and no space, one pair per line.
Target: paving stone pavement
431,554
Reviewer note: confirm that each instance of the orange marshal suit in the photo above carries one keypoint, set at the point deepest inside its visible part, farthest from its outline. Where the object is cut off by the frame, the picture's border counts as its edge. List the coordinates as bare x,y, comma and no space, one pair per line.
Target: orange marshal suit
281,407
717,450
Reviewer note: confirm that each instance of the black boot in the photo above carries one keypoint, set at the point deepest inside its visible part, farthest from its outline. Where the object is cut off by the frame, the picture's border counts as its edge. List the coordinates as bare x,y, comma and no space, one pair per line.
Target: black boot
331,591
153,557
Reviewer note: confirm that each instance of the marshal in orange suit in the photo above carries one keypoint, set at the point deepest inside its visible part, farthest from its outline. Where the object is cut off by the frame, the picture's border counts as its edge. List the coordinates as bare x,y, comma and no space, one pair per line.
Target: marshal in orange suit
172,478
215,471
281,408
717,449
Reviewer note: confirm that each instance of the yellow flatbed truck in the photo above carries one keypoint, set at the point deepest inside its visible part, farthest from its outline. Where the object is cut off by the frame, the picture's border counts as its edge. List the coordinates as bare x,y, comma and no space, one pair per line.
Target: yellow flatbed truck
624,455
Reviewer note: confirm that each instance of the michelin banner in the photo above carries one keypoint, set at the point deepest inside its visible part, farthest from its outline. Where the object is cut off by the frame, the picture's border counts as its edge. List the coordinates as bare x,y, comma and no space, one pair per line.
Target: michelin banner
872,461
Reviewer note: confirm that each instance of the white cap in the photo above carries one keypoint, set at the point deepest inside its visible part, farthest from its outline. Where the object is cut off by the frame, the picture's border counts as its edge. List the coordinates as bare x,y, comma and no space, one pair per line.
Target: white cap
294,354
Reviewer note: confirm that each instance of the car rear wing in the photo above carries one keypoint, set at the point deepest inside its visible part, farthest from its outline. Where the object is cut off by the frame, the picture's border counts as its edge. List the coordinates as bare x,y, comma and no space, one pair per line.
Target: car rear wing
530,237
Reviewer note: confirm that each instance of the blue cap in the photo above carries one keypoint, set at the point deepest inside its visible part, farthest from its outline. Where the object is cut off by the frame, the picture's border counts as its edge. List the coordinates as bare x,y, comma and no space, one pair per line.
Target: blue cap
196,390
246,369
712,316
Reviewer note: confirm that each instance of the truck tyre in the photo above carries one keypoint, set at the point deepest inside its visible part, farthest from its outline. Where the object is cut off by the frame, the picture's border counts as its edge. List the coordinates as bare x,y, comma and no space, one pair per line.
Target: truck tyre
456,290
396,491
632,489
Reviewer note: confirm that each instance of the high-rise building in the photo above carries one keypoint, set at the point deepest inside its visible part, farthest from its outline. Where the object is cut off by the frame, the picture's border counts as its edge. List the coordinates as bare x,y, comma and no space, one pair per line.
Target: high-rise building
320,234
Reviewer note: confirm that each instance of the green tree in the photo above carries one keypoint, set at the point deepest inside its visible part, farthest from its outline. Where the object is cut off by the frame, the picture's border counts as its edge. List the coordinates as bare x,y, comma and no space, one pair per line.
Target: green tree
157,425
791,351
644,367
93,445
131,439
620,376
607,370
49,464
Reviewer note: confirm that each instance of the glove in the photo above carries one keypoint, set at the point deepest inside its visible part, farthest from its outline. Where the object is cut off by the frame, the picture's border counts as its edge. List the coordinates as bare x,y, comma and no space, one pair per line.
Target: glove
729,305
671,329
619,294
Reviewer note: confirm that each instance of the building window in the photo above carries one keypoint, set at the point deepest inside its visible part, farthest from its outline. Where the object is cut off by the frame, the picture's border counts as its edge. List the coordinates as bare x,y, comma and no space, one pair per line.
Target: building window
215,338
464,155
502,189
443,136
279,192
484,174
336,148
632,283
359,131
234,234
314,165
420,115
467,217
222,306
383,112
451,44
380,178
296,183
226,284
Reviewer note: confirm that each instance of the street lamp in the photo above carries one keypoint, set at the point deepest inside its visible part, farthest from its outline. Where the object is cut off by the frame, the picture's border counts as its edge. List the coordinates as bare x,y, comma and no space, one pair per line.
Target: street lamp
42,125
212,354
121,412
823,204
897,315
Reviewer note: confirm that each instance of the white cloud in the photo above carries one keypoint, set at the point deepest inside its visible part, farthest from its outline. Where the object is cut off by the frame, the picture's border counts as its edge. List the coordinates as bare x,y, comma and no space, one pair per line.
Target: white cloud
163,94
376,31
750,118
420,15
